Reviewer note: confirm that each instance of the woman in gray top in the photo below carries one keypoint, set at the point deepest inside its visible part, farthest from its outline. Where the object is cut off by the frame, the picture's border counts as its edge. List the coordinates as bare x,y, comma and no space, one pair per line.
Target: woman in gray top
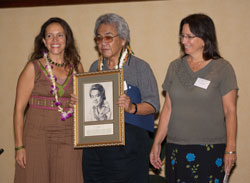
199,113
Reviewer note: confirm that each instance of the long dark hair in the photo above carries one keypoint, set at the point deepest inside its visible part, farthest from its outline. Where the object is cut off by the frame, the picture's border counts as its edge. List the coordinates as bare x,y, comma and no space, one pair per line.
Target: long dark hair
71,55
203,27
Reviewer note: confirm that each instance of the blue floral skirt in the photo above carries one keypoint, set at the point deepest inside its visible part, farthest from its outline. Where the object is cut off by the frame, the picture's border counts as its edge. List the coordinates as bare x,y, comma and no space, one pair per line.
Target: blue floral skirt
195,163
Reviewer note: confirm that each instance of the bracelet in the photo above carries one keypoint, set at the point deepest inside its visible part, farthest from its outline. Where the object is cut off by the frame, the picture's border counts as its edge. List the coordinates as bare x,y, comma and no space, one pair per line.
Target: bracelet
18,148
230,152
135,108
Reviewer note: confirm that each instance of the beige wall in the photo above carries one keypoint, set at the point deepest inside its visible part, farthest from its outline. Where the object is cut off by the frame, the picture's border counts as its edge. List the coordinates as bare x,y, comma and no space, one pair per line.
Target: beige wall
154,31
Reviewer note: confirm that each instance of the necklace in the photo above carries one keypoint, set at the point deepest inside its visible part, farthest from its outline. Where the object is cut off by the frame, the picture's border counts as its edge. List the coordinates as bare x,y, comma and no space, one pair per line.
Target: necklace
54,63
196,65
64,114
121,61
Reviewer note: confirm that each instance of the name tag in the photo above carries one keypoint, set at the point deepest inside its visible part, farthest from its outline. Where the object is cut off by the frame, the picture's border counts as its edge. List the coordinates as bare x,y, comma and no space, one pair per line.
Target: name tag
125,86
202,83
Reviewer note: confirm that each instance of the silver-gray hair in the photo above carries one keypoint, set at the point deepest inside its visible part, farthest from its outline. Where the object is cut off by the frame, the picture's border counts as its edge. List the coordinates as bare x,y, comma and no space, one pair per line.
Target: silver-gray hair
118,21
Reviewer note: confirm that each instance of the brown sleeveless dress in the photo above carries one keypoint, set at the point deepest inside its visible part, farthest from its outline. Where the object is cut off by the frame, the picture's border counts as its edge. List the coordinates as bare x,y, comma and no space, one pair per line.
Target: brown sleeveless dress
48,141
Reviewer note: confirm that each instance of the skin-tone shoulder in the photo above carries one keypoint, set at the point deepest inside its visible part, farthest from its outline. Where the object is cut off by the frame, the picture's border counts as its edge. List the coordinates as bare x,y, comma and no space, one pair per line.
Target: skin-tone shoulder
24,89
80,68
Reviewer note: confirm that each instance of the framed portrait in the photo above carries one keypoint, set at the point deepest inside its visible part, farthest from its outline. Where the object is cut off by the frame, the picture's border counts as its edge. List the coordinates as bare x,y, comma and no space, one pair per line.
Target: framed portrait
98,120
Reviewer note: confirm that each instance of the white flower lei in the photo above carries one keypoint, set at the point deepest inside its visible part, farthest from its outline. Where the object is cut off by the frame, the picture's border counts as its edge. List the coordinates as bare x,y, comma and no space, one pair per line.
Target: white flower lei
124,54
123,59
64,114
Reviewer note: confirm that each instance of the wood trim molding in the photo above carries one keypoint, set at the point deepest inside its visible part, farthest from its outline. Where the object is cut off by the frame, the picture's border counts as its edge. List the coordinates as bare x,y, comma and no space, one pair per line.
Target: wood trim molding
32,3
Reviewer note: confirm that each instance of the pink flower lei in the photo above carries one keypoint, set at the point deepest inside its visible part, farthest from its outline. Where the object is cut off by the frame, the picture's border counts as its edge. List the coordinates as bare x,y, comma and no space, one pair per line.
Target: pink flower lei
64,114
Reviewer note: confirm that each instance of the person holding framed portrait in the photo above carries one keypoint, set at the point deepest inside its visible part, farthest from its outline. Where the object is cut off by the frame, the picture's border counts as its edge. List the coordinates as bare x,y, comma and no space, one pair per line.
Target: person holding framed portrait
129,163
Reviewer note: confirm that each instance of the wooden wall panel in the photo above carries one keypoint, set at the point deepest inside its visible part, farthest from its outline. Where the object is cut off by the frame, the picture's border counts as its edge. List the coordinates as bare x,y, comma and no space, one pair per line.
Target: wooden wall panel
31,3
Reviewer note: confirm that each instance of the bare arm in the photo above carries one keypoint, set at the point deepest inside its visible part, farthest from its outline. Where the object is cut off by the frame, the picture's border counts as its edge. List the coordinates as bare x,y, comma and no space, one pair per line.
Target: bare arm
24,88
229,105
161,133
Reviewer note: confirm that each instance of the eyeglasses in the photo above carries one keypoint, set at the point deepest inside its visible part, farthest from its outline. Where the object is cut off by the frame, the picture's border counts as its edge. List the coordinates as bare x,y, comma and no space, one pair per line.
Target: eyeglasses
107,39
188,37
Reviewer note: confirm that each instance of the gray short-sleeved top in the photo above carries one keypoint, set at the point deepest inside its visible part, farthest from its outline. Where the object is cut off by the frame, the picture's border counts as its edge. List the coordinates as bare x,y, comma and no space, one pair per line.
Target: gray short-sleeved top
138,73
197,115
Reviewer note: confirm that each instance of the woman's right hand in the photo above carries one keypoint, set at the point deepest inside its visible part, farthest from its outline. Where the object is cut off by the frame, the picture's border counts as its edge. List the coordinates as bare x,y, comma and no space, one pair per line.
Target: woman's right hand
155,159
73,100
21,158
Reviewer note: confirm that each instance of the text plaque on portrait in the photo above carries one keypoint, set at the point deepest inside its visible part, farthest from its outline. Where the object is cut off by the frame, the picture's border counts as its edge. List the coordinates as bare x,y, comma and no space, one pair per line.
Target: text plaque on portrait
98,120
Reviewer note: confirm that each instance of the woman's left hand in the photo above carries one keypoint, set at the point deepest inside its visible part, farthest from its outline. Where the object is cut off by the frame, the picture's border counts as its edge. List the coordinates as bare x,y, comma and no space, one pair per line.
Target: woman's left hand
229,162
124,101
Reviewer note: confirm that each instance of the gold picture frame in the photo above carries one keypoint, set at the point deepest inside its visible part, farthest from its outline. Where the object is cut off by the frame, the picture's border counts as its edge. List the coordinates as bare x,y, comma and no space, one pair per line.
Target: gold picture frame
98,120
